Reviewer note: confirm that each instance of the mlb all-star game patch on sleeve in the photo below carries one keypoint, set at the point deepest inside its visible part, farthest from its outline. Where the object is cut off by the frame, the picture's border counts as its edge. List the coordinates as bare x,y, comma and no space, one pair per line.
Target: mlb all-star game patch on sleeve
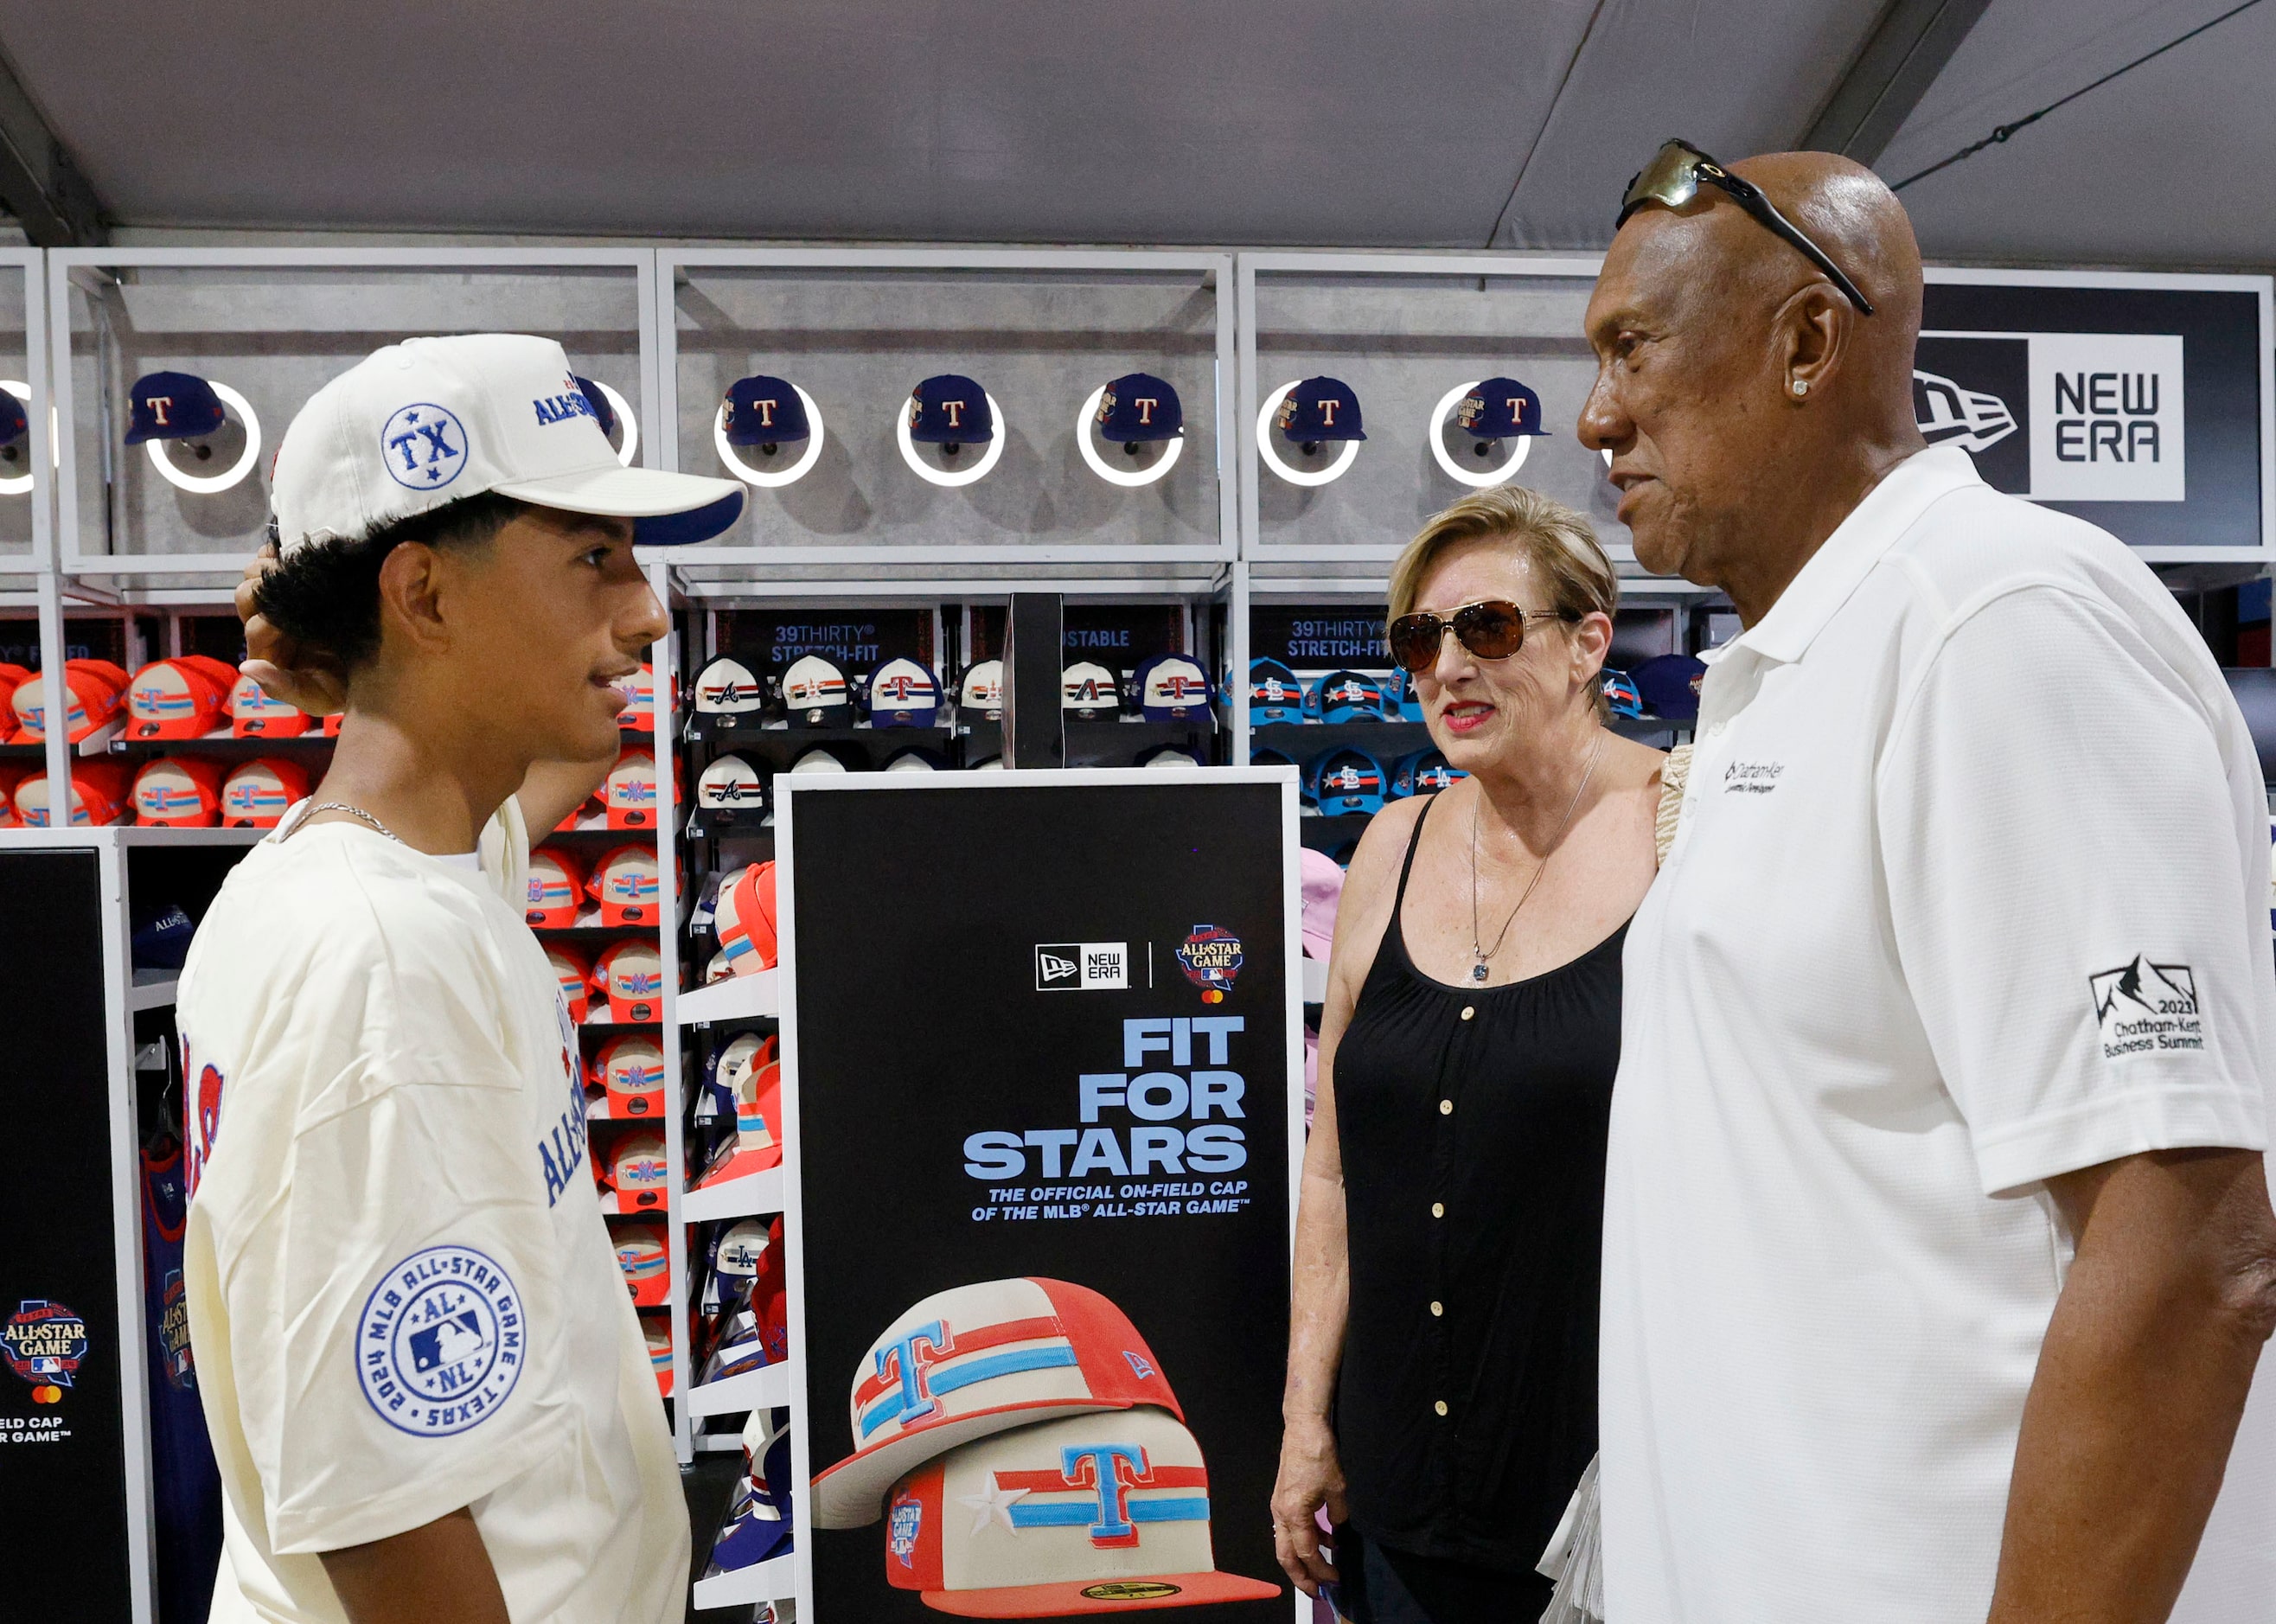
2077,876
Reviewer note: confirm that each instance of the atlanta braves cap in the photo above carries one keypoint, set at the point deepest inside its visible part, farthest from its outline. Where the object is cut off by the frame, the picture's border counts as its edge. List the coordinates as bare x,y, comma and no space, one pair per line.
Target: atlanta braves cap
1669,684
632,975
427,422
177,792
1089,690
815,694
765,411
172,405
181,698
629,886
728,696
1318,409
1085,1514
1499,408
1349,697
631,1073
574,975
257,794
641,1255
639,1173
903,694
1139,406
1274,693
1620,692
731,785
630,792
982,690
746,919
557,890
978,1360
1347,780
1173,687
254,714
950,410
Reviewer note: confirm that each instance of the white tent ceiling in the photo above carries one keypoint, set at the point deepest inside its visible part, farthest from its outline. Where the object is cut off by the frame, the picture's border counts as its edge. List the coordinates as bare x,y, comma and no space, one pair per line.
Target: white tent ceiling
1438,123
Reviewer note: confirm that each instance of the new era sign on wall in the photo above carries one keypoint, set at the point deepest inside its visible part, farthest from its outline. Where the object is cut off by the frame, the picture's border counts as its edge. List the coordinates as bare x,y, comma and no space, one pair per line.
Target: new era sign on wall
2141,403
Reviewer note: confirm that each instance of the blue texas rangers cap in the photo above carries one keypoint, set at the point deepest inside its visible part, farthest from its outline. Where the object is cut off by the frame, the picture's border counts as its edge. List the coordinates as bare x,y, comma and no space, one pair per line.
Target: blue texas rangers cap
13,424
1347,780
1670,685
603,414
1349,697
1274,693
950,410
1620,691
1172,688
903,694
1498,408
1318,409
765,411
1139,406
172,405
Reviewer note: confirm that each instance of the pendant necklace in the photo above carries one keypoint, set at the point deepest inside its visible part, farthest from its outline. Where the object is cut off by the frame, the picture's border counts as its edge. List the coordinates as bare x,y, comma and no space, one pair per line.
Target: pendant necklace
1479,953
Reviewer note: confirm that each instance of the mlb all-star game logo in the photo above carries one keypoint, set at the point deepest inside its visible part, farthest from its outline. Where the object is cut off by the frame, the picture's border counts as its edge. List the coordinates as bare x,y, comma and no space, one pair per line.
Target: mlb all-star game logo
1210,957
2145,1008
45,1343
440,1342
902,1529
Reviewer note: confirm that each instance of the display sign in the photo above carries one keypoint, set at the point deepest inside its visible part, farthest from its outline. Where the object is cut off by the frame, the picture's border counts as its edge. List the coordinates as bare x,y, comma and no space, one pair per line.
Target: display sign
1044,1114
859,639
2139,403
1328,636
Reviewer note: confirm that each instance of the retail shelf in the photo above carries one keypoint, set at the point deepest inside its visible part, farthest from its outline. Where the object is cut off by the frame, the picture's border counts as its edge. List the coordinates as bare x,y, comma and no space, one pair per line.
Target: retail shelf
1316,981
758,1192
771,1581
157,992
224,744
611,1207
764,1388
739,998
717,1443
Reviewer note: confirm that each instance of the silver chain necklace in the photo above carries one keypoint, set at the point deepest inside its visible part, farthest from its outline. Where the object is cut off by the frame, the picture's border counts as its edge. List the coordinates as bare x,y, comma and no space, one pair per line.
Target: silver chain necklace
1478,952
358,812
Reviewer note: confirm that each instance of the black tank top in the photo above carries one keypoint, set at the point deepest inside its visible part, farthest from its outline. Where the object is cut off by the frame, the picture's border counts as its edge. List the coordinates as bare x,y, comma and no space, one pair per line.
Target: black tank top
1466,1410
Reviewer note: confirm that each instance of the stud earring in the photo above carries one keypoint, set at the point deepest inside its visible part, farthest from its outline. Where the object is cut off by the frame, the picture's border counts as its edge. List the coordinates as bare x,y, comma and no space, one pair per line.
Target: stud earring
1801,386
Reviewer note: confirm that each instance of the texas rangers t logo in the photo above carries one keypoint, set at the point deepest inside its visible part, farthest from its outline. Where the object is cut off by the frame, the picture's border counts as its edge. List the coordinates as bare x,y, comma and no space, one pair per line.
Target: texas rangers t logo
910,1358
1112,1470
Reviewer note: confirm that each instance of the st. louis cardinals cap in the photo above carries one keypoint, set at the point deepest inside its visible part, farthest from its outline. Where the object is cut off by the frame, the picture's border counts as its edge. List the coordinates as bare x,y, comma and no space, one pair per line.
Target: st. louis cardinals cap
1089,690
815,694
1139,406
728,696
981,692
903,694
254,714
177,792
1173,687
179,698
427,422
257,794
1318,409
746,920
950,410
639,1173
641,1255
1350,696
1670,685
172,405
630,1069
1274,693
975,1361
1086,1514
631,973
765,411
1498,409
557,890
631,793
628,885
576,975
1347,780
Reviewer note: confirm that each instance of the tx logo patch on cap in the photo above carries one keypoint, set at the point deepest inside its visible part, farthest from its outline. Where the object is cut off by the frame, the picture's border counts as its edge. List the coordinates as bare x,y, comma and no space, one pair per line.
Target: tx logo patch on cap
423,446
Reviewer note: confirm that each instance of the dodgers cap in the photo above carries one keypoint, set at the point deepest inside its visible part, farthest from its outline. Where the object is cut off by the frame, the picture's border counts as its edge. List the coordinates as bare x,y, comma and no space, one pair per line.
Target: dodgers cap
1139,406
765,411
1321,408
1348,780
172,405
1274,693
1089,689
1086,1514
1349,697
1173,687
1669,684
982,689
975,1361
1425,772
1498,409
427,422
903,693
815,694
950,409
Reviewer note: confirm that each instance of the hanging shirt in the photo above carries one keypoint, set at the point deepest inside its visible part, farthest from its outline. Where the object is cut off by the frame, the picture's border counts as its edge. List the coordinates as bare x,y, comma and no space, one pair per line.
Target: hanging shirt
186,1492
1968,891
402,1292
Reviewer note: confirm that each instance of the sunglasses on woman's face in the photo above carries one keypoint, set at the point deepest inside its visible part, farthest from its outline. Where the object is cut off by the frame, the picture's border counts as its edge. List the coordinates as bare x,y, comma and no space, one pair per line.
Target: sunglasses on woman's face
1492,630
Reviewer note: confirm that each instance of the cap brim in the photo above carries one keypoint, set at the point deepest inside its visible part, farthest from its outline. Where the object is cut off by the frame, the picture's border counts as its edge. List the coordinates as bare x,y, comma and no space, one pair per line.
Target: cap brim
669,510
852,1493
1055,1601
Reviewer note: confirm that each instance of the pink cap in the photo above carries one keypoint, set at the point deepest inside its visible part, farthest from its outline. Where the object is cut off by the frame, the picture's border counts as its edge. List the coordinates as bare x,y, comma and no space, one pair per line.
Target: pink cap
1321,884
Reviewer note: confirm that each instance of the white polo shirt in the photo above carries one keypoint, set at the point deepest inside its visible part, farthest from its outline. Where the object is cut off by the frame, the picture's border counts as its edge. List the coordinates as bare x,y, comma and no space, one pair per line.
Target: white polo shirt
1968,891
402,1293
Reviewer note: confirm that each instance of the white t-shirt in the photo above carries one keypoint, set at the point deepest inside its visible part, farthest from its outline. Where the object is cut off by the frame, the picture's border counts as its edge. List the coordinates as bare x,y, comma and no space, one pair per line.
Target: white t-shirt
1968,891
401,1288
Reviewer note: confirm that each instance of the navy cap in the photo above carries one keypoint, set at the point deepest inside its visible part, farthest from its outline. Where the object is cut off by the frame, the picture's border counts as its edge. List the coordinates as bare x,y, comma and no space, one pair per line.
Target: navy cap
1319,409
1499,408
1274,693
1425,772
1669,686
1172,688
1620,693
1139,406
13,424
172,406
1350,696
604,413
1347,780
765,411
903,693
950,410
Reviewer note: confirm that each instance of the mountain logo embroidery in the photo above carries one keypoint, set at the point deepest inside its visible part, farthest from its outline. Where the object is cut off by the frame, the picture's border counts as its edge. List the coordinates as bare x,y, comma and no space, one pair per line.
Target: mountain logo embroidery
2146,1008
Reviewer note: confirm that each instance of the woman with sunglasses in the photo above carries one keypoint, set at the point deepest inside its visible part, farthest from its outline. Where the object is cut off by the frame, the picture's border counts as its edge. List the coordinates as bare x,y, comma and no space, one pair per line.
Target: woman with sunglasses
1441,1397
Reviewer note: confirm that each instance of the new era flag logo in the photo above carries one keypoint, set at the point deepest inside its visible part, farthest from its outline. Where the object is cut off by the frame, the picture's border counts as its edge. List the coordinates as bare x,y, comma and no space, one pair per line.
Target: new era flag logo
1071,967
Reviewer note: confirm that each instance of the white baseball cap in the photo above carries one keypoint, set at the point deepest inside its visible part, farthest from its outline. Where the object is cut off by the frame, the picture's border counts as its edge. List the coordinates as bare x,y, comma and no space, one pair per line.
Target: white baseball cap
427,422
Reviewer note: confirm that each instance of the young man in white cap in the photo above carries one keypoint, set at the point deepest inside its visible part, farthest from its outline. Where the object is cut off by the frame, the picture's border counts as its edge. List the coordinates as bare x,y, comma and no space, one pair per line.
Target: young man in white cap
425,1383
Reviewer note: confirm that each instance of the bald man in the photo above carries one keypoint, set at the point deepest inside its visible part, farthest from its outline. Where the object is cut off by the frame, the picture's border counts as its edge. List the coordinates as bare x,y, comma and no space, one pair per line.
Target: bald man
1937,1250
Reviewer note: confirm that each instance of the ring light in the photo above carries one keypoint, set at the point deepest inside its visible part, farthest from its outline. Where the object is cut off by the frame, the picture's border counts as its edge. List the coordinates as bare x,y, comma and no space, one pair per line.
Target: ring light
762,477
943,476
208,484
1455,470
1128,478
624,411
16,485
1295,476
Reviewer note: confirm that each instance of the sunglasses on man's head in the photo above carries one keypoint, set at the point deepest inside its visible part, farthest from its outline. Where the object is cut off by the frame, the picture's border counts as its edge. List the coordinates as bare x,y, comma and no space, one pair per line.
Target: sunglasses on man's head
1492,630
1672,178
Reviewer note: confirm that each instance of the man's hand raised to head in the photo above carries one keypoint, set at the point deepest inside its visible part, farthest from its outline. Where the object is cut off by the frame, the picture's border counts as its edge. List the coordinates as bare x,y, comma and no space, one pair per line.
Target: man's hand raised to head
307,679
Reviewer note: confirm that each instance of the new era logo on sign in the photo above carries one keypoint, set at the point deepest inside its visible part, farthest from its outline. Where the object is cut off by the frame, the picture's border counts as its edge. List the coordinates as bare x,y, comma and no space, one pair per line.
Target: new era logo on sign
1085,966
